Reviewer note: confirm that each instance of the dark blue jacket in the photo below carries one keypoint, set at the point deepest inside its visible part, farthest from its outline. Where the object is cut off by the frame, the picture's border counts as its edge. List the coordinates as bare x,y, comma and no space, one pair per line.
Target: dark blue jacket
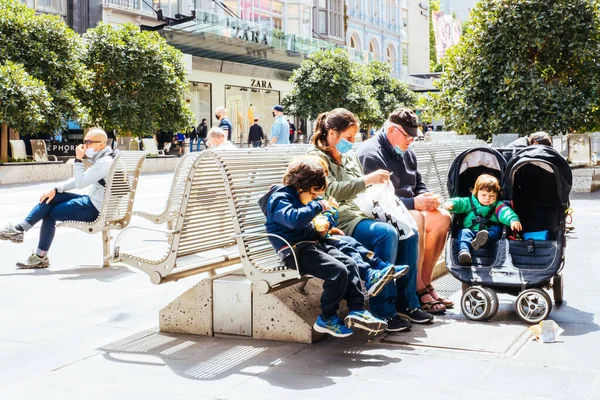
377,153
288,217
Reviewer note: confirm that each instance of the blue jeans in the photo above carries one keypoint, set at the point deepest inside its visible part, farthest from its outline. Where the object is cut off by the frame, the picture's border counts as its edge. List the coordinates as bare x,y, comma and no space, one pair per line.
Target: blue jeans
63,207
465,236
408,254
382,239
256,143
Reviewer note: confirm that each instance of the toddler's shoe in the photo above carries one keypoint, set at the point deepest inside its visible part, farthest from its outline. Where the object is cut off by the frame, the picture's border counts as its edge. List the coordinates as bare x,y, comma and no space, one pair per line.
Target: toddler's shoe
365,321
480,240
464,257
333,327
376,280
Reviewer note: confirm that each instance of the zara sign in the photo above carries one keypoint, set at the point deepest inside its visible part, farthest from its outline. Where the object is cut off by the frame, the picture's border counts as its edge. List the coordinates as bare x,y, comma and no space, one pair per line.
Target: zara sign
260,84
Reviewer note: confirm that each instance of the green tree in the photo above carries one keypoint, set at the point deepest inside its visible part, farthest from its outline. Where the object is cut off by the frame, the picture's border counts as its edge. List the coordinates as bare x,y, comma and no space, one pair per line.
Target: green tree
51,53
24,101
327,80
525,65
388,92
138,81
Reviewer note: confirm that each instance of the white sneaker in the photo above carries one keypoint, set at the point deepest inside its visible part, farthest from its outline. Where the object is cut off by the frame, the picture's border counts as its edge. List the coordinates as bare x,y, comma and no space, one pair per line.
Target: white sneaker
34,261
9,232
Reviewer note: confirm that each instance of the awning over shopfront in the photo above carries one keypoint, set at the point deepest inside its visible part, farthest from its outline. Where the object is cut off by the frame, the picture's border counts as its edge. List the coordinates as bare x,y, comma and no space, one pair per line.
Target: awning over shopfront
229,39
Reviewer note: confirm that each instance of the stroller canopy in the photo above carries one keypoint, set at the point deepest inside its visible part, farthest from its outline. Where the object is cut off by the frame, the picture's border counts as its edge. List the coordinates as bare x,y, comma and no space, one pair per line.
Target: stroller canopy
469,165
546,159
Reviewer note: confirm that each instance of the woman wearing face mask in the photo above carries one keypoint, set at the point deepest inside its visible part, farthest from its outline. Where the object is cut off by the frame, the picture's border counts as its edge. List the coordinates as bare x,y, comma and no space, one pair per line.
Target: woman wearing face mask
58,204
332,140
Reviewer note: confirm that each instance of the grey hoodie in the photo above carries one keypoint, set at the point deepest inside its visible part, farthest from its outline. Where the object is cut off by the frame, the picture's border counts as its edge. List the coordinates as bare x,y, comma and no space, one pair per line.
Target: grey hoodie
102,162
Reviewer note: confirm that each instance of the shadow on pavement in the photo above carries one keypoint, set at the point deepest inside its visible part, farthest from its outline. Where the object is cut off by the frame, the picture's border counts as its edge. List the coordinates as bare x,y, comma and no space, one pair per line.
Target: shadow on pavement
95,272
208,358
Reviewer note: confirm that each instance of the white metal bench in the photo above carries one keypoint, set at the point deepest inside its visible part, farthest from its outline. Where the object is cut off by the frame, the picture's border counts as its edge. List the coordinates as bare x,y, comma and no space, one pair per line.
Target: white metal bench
204,221
151,147
259,260
40,152
176,193
118,200
17,149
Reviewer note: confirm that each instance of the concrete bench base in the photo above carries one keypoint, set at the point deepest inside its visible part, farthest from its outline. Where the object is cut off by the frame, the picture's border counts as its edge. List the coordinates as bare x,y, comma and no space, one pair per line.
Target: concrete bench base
586,180
285,315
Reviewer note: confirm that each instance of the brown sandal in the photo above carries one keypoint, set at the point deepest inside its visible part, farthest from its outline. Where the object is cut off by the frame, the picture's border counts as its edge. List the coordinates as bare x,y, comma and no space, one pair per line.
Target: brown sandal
446,302
429,306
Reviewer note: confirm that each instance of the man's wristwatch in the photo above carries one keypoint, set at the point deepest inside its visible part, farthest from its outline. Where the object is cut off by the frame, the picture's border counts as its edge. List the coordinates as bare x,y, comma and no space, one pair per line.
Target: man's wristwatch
78,160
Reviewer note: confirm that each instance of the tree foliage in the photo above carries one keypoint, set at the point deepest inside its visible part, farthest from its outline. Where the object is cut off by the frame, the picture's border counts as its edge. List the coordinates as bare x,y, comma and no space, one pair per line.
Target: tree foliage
138,81
24,100
388,92
326,80
329,79
50,52
523,66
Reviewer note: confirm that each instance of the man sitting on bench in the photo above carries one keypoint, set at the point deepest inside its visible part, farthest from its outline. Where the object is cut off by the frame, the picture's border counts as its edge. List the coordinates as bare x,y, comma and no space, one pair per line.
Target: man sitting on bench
59,205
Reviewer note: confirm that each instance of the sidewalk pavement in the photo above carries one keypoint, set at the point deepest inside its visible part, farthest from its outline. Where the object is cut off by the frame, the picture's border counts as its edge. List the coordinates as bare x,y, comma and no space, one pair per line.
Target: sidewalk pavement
76,331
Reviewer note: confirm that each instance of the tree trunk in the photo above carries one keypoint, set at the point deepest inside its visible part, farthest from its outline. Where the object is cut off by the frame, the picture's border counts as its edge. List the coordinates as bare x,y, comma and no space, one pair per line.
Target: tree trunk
4,143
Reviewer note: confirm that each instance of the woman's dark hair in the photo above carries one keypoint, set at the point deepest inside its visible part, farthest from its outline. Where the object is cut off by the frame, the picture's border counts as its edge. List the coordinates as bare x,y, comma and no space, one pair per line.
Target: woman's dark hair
338,119
305,173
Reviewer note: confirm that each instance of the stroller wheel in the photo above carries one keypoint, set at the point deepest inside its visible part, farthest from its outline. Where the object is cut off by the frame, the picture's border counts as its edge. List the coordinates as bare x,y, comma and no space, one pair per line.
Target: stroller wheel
533,305
475,303
557,289
495,302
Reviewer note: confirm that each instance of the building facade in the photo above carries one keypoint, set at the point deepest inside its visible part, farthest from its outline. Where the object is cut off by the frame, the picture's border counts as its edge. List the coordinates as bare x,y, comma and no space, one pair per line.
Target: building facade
240,54
394,31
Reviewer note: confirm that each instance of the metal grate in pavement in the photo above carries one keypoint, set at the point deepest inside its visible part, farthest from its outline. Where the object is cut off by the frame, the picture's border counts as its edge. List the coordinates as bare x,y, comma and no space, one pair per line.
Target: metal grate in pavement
447,285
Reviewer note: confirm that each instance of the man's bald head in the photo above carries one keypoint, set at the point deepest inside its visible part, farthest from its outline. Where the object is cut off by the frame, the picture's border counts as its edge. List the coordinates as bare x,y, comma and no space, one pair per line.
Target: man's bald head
97,135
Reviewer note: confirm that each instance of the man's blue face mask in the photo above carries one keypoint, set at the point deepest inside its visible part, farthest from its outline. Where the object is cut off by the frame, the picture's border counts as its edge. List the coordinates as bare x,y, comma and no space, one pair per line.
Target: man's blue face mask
343,146
399,151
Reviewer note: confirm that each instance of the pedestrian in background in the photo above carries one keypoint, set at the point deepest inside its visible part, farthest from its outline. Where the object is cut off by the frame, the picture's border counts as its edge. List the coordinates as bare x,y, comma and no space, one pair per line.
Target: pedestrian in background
193,136
280,130
224,123
180,140
292,130
202,130
256,134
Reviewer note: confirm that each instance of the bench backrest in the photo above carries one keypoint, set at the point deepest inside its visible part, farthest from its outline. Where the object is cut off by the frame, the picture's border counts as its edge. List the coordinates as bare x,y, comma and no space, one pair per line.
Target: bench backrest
39,151
123,143
150,146
249,177
17,148
121,187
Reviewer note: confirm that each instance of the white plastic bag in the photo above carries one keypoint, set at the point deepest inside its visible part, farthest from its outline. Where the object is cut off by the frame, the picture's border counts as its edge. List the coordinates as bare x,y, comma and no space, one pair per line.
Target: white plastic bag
380,203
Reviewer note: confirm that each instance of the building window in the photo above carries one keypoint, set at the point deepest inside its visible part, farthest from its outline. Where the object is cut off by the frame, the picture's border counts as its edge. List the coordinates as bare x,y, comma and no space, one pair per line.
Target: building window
58,7
243,104
374,49
199,99
391,57
330,18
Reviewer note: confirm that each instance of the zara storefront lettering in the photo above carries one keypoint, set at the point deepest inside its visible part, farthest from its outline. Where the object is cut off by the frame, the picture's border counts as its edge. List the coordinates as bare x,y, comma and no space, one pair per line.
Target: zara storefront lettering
261,84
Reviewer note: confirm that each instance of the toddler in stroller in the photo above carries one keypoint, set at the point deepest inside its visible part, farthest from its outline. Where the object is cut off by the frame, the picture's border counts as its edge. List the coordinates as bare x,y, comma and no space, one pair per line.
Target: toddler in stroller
485,214
537,181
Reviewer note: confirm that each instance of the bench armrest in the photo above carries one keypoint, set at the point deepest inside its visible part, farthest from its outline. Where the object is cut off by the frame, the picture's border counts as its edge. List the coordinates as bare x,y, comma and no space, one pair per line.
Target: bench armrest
51,156
241,235
117,248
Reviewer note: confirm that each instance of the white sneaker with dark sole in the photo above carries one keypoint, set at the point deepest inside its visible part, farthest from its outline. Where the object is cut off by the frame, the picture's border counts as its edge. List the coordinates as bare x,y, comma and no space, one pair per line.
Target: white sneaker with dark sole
34,261
10,233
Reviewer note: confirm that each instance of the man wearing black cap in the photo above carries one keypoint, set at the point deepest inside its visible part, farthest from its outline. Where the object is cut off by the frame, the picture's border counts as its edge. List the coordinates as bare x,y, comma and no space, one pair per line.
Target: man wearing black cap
390,150
280,130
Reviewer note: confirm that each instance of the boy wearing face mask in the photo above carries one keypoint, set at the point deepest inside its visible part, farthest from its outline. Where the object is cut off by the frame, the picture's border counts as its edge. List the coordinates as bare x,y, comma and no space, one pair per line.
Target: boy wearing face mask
58,204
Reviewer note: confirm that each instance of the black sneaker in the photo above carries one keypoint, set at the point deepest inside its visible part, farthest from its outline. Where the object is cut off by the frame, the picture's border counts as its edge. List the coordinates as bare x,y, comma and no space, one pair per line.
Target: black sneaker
416,315
398,324
480,240
464,257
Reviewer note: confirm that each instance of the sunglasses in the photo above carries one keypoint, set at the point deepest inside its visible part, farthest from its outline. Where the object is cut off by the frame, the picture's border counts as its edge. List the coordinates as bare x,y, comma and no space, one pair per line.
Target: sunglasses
406,135
87,141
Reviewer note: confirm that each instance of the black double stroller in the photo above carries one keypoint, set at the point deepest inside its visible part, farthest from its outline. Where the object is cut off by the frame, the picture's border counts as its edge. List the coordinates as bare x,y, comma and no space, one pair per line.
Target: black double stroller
536,183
